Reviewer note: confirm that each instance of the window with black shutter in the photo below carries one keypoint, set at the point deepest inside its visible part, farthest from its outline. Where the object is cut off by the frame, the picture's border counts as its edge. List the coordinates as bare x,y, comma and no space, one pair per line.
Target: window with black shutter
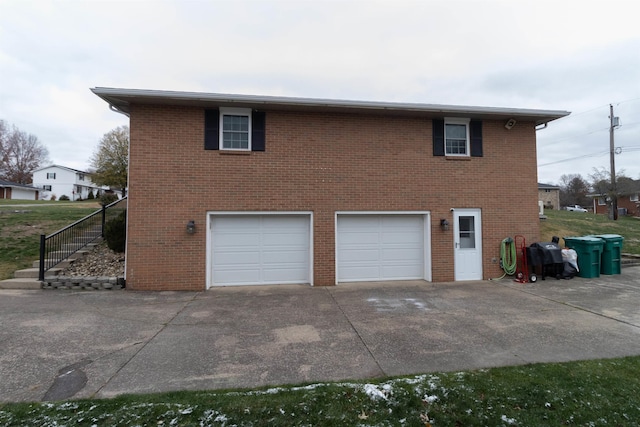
234,129
457,137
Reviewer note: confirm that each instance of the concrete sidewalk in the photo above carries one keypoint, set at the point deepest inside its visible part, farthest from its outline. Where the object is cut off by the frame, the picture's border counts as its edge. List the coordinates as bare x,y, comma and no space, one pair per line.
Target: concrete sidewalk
63,344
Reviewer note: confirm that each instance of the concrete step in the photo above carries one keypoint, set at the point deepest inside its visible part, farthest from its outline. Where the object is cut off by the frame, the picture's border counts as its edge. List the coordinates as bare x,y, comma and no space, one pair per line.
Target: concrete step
32,273
21,284
629,260
62,264
75,255
78,240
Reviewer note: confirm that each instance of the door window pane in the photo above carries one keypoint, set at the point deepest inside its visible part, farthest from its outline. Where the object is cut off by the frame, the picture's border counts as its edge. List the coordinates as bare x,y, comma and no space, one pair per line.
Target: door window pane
467,232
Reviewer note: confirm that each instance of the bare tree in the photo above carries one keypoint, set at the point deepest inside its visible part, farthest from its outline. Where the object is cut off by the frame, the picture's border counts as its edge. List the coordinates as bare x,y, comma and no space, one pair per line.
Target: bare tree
602,185
20,154
111,160
601,182
573,190
4,135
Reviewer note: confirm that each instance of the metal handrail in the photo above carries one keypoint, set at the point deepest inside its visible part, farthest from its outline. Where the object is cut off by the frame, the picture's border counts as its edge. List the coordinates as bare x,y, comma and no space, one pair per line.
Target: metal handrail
60,245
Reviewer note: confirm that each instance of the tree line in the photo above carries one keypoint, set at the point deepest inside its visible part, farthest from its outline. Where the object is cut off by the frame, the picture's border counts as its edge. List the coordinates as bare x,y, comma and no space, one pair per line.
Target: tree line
21,153
574,188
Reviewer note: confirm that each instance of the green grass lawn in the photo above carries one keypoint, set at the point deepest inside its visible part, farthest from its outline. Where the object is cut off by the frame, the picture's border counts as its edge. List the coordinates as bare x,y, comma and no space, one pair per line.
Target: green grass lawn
572,224
588,393
21,226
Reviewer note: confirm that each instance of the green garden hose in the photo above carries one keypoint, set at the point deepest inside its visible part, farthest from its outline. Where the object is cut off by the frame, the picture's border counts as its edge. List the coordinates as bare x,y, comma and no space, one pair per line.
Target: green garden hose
508,256
508,260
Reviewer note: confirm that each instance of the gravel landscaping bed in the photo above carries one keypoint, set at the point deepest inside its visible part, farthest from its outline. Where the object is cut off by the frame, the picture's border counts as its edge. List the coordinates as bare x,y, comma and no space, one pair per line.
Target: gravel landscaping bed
99,268
100,261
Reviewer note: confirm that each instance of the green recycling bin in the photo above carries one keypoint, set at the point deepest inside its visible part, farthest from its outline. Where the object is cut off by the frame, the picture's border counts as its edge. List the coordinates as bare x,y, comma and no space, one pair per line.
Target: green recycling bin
589,250
611,254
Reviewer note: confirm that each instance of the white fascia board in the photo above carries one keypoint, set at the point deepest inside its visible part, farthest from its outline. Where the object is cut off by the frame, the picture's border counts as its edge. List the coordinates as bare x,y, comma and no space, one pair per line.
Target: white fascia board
121,99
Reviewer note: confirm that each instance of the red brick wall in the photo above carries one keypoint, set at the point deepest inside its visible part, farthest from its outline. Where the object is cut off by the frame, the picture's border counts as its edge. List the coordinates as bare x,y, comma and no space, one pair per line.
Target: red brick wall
322,163
633,208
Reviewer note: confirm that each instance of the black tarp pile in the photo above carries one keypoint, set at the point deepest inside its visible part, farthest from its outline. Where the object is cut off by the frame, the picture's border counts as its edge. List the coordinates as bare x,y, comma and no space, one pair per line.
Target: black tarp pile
548,259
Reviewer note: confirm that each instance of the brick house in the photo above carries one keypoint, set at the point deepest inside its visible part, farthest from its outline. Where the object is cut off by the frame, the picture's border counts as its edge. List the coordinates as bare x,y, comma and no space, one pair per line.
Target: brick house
628,204
275,190
549,195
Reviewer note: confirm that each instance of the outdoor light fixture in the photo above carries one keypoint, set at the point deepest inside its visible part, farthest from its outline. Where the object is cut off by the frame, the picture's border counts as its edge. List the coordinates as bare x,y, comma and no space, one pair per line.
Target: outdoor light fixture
191,227
510,123
444,224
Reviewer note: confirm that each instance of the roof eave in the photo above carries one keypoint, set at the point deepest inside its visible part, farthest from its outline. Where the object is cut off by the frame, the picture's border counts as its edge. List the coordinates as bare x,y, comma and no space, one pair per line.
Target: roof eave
121,99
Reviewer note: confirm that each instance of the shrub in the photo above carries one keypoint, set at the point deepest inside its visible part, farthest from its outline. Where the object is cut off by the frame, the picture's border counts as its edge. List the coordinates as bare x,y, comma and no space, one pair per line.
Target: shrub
64,197
52,198
115,232
90,196
108,198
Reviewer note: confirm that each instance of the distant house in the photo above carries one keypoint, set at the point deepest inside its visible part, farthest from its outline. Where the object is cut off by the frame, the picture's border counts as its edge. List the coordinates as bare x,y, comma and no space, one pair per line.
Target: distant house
628,204
14,191
55,180
549,195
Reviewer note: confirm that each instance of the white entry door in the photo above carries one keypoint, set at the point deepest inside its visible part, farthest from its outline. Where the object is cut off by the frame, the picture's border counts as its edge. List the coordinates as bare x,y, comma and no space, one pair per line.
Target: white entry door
467,242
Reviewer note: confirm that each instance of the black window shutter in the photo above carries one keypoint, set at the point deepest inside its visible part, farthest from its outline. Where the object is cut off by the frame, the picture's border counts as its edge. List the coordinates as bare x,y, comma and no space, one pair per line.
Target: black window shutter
438,137
258,130
475,133
211,129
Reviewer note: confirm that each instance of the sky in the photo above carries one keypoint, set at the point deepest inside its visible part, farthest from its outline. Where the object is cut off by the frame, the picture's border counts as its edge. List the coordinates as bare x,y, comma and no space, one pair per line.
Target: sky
578,56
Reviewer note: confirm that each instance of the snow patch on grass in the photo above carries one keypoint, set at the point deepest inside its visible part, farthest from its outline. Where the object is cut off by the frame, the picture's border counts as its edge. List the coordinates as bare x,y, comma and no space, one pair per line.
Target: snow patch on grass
376,393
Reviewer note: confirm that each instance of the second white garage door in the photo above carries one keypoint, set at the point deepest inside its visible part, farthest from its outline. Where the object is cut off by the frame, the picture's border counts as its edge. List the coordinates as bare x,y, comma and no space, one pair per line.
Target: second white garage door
380,247
260,249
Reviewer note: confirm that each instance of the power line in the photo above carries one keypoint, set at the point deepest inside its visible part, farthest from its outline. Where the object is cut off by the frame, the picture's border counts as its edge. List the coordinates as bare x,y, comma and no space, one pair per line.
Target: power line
576,136
623,149
600,153
572,115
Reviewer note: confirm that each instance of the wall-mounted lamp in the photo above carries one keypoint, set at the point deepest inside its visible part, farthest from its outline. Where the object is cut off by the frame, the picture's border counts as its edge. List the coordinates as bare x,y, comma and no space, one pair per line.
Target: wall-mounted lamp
191,227
444,224
510,123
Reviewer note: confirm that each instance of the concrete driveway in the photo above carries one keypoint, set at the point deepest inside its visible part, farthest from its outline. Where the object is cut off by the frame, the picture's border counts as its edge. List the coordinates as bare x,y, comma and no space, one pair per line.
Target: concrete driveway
63,344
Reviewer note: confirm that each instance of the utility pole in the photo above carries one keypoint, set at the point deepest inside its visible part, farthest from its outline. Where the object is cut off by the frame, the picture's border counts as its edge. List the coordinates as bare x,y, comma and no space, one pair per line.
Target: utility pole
613,214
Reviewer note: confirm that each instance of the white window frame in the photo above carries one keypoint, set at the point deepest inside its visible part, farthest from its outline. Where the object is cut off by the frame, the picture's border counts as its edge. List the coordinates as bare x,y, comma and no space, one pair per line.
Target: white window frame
458,121
633,197
602,201
246,112
51,175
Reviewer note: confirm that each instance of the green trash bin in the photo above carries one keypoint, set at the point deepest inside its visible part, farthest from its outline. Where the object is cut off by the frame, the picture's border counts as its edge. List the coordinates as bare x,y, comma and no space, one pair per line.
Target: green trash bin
611,254
589,250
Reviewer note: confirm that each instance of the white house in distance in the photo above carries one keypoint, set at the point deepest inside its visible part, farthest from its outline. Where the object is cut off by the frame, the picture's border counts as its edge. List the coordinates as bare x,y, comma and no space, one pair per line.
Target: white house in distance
58,181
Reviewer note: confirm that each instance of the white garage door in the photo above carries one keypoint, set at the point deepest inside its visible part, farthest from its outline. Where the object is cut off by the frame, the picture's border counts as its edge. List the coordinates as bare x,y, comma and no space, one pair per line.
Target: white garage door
260,249
380,247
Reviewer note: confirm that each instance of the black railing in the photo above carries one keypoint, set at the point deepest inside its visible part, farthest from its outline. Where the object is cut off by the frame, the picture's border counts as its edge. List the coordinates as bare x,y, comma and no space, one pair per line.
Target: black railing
60,245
